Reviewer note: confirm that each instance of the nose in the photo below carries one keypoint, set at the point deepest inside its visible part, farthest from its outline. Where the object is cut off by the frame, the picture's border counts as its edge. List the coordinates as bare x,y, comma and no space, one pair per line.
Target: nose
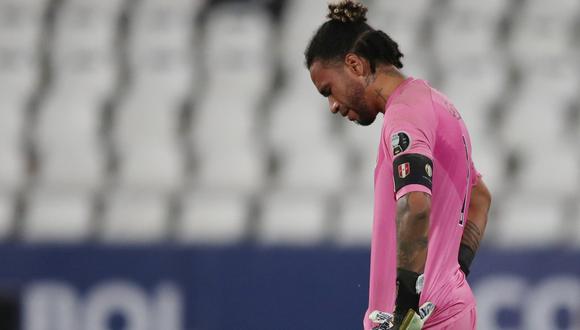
334,106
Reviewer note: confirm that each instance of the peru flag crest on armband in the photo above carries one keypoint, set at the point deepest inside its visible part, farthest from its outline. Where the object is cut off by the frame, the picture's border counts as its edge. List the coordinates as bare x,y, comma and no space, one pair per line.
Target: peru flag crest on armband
404,170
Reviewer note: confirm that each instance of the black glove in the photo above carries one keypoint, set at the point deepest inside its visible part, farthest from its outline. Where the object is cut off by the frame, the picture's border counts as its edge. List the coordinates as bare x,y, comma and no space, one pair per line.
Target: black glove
407,296
466,256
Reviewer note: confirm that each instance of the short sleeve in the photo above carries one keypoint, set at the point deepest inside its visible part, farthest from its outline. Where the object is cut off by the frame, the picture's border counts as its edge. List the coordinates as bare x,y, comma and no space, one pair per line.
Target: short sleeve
410,133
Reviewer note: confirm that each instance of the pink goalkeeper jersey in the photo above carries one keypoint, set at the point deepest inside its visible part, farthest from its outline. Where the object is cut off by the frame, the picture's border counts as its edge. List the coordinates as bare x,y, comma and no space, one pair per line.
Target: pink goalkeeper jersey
420,120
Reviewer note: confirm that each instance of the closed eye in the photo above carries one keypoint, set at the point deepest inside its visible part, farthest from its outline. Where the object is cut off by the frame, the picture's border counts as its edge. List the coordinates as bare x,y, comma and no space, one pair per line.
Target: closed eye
326,92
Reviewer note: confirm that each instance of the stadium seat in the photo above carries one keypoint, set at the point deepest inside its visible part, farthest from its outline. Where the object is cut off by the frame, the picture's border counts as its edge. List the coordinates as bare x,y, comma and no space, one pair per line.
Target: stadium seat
161,48
240,170
530,220
67,139
467,29
12,168
146,138
87,22
412,10
299,106
293,219
54,215
22,22
7,213
238,49
490,161
133,216
551,171
474,85
356,219
363,146
316,169
534,121
19,72
365,138
542,30
224,122
296,36
554,77
213,218
82,53
159,168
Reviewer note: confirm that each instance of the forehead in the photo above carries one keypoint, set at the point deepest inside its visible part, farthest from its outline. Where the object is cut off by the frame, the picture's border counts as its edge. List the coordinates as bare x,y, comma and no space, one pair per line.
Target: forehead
322,73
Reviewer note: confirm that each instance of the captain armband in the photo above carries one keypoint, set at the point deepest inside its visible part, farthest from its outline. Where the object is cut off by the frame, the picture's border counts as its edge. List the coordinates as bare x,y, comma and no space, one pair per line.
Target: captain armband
412,169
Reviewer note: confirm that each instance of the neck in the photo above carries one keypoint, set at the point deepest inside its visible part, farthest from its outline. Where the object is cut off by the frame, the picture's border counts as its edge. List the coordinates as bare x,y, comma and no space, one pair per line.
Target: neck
387,80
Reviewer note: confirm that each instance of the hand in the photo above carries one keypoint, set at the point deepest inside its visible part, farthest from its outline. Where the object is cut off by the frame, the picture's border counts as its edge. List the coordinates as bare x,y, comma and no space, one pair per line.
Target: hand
411,321
415,321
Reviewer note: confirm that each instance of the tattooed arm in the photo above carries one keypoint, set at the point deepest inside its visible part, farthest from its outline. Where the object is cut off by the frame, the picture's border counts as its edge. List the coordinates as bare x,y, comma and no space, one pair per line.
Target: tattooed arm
413,212
475,227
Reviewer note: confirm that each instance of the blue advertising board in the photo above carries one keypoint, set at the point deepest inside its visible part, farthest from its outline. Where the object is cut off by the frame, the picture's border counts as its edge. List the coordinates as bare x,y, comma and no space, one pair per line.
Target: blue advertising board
253,288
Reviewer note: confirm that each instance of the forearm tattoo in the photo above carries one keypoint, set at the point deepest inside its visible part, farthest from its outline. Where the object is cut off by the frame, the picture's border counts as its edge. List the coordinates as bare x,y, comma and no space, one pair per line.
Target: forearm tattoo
472,235
412,236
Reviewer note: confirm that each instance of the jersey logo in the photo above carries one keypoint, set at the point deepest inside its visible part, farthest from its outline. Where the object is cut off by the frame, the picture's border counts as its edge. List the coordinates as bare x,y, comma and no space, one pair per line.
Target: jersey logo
404,170
429,170
400,141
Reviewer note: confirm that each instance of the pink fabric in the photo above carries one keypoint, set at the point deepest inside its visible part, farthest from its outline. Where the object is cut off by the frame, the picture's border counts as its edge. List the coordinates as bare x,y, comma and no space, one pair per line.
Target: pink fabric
436,131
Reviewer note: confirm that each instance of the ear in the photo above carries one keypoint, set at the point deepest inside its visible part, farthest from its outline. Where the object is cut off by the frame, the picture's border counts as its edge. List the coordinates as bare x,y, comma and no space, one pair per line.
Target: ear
356,65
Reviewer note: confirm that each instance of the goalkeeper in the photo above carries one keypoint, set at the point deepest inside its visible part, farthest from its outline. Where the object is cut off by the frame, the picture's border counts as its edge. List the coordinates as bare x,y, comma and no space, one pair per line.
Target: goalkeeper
431,205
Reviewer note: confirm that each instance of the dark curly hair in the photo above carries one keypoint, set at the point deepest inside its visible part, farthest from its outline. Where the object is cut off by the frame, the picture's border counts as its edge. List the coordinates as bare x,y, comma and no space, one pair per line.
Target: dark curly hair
346,31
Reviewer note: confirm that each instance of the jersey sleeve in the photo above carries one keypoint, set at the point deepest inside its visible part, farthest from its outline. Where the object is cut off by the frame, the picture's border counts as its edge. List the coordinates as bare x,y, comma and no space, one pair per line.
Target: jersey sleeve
410,134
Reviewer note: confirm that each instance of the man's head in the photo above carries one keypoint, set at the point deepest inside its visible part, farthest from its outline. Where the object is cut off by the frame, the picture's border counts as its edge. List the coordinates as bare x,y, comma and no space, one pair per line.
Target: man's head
343,57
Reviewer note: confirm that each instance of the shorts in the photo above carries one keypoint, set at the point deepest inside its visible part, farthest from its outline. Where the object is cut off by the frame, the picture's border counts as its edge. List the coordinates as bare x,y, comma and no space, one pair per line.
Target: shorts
464,321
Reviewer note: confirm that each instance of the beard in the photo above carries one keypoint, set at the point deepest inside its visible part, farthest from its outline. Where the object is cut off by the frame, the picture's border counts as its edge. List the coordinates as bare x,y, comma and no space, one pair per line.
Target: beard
360,106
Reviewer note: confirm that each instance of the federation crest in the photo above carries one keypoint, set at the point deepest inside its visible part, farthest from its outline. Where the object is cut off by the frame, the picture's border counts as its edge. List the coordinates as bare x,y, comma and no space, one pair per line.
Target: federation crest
400,141
404,170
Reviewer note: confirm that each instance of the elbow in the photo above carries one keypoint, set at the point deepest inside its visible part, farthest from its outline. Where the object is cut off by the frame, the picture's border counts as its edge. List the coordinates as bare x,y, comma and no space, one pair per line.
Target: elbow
486,199
415,205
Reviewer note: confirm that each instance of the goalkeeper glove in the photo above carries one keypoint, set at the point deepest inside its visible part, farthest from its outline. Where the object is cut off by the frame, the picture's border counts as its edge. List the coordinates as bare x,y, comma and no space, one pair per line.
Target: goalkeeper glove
466,256
411,321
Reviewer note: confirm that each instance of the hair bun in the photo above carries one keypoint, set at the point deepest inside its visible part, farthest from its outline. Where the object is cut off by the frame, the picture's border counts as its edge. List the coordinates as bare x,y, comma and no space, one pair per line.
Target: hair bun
347,11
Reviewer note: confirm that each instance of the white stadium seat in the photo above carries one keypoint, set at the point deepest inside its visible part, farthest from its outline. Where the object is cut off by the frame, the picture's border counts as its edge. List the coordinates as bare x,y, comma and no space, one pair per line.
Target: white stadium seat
533,122
67,138
161,46
530,220
467,28
213,218
135,217
158,169
293,219
22,22
224,122
542,30
299,109
551,171
315,169
356,219
238,49
58,216
240,170
295,36
7,216
490,160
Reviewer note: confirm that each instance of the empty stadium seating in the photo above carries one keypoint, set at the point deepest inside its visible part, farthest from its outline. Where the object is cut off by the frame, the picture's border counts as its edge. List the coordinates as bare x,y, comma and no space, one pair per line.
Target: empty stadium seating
196,121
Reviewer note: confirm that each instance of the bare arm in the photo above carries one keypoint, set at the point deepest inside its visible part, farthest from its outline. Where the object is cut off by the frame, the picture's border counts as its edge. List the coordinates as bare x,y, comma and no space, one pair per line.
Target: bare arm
413,212
479,205
477,215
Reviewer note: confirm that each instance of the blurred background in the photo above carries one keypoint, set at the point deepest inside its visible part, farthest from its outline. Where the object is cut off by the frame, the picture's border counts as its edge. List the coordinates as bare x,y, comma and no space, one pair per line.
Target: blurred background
168,164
